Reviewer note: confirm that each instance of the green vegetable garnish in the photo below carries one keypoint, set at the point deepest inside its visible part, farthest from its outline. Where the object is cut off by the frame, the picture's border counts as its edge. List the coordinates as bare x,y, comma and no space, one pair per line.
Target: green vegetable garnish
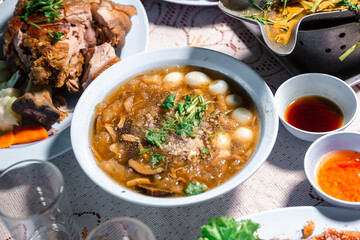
194,188
47,7
158,166
223,228
205,150
56,36
155,137
187,117
155,158
169,102
35,25
143,151
186,129
349,51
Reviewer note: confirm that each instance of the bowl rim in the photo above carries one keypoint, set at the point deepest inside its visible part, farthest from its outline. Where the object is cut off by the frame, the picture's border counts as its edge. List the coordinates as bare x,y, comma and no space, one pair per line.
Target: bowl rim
310,172
318,134
203,58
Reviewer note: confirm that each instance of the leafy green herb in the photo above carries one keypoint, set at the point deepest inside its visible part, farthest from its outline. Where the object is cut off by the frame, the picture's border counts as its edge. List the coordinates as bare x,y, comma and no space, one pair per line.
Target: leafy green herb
35,25
143,151
186,129
258,17
155,158
285,2
139,127
223,228
169,102
162,164
155,137
255,5
268,4
47,7
187,117
205,150
349,51
350,5
315,6
194,188
56,36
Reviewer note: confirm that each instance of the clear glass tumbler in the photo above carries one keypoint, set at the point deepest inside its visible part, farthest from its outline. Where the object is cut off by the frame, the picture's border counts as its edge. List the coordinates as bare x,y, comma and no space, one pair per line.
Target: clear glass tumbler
33,202
121,228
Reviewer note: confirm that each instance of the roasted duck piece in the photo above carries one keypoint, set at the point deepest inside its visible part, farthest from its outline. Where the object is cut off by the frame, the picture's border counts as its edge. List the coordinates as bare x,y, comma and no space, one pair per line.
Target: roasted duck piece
67,46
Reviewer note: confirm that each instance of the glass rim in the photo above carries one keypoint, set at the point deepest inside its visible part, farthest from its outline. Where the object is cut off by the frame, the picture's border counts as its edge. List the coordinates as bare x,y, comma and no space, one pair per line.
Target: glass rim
53,202
116,219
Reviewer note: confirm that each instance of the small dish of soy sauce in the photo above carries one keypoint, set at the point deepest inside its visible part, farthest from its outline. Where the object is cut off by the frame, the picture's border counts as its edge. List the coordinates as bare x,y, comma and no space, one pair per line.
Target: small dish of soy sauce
314,104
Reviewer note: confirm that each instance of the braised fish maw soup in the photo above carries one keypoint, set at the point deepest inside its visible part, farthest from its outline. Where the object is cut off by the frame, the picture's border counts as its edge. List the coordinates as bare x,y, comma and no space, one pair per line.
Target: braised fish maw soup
175,131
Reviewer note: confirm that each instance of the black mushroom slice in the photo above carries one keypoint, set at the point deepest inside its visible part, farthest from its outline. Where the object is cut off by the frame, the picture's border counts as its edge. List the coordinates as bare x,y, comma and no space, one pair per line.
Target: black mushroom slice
37,105
153,191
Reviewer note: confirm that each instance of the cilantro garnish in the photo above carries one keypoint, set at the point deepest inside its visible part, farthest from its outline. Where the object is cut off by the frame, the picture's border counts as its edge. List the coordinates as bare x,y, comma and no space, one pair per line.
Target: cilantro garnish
35,25
56,36
169,102
155,137
47,7
143,151
223,228
194,188
186,129
158,166
187,117
155,158
205,150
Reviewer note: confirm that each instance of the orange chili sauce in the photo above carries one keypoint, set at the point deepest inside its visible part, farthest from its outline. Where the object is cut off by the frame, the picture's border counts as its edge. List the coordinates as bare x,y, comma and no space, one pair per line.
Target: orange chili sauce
338,175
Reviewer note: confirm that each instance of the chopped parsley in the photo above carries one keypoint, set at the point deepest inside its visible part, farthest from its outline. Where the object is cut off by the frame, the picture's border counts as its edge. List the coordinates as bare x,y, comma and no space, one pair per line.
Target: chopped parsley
47,7
156,137
194,188
35,25
56,36
187,117
155,158
158,166
169,102
143,151
205,150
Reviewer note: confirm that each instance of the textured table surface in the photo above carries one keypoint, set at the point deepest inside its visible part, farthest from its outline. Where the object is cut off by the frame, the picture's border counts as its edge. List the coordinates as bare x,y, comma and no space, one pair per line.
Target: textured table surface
280,182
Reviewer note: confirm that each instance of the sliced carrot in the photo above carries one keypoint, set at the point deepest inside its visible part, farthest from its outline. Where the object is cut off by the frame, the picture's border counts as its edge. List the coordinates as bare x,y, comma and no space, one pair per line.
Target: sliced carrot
29,133
6,140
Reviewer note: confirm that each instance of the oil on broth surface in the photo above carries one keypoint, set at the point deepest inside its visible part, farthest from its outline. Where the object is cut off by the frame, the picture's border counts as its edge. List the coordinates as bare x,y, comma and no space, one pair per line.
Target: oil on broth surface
175,131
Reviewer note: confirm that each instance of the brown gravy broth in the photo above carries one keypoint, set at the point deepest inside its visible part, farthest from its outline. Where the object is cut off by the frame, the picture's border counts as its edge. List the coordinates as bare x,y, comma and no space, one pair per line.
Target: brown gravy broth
217,150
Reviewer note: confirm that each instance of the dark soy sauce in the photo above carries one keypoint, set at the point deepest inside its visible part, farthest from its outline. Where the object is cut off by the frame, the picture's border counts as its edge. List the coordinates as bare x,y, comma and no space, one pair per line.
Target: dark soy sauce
314,114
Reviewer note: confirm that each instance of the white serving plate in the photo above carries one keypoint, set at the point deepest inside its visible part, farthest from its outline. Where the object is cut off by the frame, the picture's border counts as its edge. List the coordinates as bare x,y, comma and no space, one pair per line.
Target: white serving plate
194,2
287,223
136,41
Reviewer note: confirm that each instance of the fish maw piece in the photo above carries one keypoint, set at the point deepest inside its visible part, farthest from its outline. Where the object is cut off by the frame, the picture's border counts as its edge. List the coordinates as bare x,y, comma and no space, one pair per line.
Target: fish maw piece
37,105
97,60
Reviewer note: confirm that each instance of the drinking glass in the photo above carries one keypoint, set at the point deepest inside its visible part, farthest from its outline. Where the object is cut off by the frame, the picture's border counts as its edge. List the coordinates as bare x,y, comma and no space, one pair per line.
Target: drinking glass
121,228
33,202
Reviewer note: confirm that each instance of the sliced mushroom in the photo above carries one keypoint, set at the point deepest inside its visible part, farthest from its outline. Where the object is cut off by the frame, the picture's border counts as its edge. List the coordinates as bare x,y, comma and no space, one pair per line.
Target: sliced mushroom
111,131
136,181
154,192
128,104
129,138
121,121
146,170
